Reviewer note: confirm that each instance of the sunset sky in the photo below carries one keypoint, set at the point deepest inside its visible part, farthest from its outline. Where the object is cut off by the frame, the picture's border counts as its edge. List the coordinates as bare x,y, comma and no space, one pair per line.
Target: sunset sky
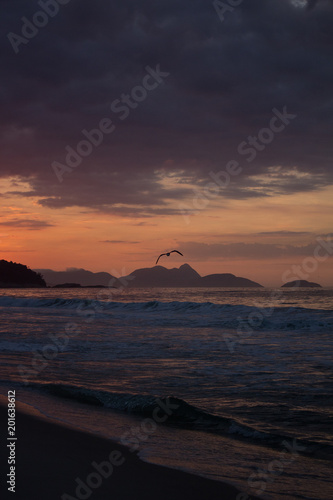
197,93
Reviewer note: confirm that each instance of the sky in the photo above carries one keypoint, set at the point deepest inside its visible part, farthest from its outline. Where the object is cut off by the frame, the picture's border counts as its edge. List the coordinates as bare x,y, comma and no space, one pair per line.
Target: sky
133,128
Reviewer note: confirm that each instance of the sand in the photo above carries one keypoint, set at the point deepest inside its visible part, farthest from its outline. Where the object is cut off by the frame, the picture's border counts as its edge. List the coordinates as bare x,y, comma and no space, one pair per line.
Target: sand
50,458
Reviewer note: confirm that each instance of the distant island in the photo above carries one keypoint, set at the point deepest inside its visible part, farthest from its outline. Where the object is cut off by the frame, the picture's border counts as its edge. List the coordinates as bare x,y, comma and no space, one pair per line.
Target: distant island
157,276
13,275
68,285
301,284
77,285
77,277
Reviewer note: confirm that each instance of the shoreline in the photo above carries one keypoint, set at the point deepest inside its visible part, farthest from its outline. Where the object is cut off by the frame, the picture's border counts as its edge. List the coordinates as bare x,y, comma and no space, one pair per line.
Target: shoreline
56,462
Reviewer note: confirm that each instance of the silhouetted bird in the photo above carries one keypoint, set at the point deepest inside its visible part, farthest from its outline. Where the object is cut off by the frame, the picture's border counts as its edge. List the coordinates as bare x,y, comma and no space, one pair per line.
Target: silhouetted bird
168,254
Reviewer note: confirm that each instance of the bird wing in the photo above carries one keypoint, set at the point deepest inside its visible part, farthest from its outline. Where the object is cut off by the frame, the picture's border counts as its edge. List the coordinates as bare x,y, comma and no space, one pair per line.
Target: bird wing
177,252
160,257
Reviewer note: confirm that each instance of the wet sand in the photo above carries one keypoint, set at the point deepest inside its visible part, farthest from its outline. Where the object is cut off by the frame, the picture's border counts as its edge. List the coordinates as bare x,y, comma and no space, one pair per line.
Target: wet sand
55,462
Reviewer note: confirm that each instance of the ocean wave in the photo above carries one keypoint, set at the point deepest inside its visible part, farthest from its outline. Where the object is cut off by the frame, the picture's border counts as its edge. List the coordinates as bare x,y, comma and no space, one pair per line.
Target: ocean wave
8,301
182,415
16,346
188,314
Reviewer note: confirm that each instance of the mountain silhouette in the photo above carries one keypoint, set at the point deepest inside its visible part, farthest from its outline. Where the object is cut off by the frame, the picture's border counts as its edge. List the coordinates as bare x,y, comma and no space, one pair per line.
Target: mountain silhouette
78,276
157,276
301,284
185,276
227,280
13,275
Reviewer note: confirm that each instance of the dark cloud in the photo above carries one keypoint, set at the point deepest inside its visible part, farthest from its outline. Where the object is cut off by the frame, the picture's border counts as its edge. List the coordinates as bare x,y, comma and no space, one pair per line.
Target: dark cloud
30,224
312,3
285,233
225,79
252,251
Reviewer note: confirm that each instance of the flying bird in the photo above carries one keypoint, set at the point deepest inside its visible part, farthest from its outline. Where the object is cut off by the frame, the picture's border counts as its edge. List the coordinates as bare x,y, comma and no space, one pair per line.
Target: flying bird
168,254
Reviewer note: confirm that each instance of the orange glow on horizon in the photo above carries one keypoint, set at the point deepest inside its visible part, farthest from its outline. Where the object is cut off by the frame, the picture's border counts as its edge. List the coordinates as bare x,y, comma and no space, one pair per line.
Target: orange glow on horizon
56,239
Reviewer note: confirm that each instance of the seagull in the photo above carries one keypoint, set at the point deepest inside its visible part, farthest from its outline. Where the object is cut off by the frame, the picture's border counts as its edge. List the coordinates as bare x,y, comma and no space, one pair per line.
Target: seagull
168,254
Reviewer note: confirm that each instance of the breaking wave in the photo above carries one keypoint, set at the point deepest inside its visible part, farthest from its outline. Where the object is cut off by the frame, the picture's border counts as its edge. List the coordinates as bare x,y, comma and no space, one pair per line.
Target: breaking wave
189,314
182,415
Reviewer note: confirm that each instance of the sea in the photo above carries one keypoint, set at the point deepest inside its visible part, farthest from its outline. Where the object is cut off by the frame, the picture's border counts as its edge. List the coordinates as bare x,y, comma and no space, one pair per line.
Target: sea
230,384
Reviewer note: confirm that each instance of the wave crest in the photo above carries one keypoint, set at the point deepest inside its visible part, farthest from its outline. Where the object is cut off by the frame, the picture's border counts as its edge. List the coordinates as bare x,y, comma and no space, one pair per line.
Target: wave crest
182,415
189,314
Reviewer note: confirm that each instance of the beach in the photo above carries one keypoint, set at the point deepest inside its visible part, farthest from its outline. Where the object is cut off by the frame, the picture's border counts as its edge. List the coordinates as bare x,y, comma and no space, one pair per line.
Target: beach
50,458
166,264
167,388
